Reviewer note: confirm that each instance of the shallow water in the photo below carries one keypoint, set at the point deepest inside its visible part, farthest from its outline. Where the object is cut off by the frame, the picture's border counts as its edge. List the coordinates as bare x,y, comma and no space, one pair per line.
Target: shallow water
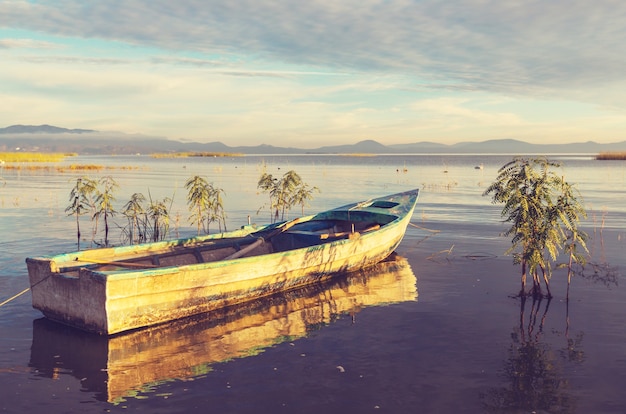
439,333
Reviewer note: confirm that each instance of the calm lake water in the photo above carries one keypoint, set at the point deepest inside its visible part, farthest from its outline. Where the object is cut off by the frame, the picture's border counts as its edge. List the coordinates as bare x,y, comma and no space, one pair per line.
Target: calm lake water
435,331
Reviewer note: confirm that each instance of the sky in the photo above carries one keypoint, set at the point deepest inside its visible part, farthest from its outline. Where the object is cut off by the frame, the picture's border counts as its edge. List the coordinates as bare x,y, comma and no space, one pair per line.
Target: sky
318,72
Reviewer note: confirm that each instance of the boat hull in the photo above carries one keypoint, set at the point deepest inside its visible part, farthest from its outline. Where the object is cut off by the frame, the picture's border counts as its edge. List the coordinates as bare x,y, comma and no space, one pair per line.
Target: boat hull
116,299
124,364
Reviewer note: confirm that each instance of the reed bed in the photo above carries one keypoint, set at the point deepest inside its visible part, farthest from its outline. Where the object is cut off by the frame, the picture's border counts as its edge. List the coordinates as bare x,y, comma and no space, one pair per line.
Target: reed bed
195,154
611,156
65,168
33,156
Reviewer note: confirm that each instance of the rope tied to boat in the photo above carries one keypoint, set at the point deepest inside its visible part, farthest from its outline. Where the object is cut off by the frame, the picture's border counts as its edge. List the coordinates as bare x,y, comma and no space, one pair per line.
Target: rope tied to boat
14,297
24,291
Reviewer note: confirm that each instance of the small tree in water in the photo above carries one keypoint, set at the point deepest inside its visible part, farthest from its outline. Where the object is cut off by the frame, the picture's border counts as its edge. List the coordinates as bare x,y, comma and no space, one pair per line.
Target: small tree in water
104,203
205,203
198,199
302,195
80,201
134,210
216,208
544,214
159,214
572,211
285,192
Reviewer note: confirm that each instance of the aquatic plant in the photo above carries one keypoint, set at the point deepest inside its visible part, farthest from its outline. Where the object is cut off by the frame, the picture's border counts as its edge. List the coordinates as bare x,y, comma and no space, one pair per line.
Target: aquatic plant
134,211
571,211
302,194
158,212
544,213
285,192
611,156
104,203
65,168
205,203
195,154
81,201
33,156
217,213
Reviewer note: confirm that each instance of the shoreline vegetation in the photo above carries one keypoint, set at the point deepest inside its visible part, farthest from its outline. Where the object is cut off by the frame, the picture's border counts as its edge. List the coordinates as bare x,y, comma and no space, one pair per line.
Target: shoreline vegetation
34,156
41,157
149,220
65,168
13,157
611,156
31,161
196,154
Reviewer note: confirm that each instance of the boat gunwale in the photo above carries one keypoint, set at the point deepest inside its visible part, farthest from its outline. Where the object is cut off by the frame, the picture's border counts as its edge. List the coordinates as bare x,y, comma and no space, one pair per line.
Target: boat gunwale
106,287
163,270
366,207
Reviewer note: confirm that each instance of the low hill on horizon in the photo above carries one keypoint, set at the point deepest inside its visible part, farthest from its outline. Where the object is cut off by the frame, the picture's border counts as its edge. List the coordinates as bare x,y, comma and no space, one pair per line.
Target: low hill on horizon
45,129
48,138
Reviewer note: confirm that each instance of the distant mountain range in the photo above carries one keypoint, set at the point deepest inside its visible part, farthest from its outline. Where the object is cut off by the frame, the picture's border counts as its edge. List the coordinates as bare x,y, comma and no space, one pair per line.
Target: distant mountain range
46,129
48,138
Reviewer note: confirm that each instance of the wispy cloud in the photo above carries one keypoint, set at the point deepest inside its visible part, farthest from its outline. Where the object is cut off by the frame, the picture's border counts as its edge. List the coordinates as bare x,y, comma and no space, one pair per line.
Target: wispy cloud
499,44
322,51
74,60
27,44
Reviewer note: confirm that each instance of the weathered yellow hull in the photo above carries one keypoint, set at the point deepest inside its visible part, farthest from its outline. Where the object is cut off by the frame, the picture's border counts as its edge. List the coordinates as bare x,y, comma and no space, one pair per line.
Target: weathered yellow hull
98,290
126,363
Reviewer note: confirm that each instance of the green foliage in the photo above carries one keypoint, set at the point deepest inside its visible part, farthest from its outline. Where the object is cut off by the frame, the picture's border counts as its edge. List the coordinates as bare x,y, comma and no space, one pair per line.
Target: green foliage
205,203
81,201
302,194
544,213
158,216
134,211
104,203
217,214
198,199
285,192
149,222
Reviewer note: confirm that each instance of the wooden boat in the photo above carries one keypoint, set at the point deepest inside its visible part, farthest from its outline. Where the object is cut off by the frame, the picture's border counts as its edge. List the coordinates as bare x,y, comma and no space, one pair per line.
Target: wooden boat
111,290
134,363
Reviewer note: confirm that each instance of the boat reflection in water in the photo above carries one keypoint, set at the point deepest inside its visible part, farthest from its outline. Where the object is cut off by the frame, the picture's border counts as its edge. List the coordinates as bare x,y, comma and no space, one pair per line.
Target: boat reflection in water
122,366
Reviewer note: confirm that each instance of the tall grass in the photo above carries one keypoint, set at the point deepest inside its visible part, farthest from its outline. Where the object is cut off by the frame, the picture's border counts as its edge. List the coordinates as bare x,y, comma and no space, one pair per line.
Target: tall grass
610,156
195,154
33,156
64,168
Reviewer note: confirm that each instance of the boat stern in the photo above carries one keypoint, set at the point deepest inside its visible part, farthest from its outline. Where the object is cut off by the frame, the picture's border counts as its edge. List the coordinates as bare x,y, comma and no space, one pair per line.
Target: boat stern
76,297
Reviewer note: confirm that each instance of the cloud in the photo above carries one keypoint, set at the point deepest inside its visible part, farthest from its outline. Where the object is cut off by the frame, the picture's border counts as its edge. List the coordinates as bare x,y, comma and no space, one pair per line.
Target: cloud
488,44
74,60
461,111
341,70
27,44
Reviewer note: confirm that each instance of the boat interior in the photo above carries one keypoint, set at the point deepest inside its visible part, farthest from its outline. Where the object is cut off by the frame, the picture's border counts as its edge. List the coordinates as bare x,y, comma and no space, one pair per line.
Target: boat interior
272,240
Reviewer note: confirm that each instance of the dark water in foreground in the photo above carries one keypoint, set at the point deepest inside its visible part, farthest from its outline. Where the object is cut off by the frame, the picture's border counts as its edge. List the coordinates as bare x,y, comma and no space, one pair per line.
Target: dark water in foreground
434,332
